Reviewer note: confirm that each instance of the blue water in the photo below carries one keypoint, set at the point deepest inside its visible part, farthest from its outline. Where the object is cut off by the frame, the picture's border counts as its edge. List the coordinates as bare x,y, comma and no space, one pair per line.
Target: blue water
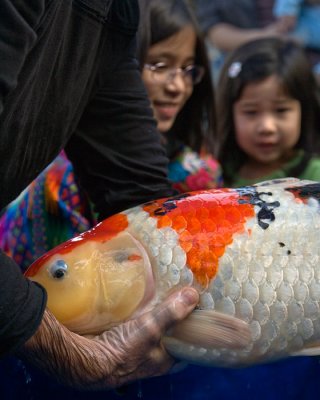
293,379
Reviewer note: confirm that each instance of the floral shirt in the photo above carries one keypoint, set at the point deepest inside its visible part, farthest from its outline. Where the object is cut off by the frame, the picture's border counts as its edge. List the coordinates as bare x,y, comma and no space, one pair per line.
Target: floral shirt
191,171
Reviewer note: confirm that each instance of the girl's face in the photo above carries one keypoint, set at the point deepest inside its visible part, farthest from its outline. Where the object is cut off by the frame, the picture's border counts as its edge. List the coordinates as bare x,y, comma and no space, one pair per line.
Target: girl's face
168,96
267,122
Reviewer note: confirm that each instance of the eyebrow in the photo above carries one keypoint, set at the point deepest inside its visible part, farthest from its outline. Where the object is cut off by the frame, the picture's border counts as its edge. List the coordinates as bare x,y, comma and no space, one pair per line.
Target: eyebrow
247,102
170,56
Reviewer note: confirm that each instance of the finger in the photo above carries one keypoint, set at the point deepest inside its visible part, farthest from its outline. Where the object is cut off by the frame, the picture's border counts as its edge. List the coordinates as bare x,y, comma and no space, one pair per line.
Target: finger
173,309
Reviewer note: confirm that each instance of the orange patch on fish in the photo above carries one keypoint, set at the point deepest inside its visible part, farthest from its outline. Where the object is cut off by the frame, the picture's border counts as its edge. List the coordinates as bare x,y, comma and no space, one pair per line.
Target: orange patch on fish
205,224
134,257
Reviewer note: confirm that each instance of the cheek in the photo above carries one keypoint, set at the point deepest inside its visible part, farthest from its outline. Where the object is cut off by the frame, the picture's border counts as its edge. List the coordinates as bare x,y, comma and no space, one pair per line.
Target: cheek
185,97
188,93
150,87
243,133
294,129
150,91
241,126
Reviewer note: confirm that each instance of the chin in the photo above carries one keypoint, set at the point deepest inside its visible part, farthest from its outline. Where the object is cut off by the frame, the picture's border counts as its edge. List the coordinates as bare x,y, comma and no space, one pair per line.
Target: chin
163,127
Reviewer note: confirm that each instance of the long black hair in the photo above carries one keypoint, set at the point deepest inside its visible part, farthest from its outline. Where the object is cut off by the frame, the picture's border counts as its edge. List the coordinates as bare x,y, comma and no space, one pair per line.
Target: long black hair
255,61
195,124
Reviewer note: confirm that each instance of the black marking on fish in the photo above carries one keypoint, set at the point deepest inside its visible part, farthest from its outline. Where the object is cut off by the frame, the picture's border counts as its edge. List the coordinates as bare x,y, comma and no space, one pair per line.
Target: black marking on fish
288,252
160,211
306,191
271,182
169,204
249,195
281,244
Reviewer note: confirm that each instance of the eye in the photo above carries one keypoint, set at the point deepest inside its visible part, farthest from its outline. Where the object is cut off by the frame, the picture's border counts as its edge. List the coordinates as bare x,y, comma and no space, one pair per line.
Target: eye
250,112
58,269
282,110
160,67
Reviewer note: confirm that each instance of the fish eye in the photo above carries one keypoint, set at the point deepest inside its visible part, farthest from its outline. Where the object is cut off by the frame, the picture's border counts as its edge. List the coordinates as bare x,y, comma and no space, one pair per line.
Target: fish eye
58,269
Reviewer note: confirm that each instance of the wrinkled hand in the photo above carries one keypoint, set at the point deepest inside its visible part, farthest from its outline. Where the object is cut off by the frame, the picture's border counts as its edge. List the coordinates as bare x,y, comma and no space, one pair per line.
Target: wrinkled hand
121,355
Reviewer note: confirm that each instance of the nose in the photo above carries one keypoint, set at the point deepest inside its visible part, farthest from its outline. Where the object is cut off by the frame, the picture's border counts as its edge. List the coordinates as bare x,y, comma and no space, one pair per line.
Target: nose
176,82
267,124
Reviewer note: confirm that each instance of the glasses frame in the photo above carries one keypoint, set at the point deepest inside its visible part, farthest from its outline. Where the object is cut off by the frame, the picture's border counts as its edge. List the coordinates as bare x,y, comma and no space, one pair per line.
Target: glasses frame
171,72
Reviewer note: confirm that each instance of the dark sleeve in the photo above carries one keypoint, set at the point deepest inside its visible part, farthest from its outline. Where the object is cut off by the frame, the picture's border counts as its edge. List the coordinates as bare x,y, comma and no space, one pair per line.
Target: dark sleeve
208,13
240,13
18,21
22,304
116,150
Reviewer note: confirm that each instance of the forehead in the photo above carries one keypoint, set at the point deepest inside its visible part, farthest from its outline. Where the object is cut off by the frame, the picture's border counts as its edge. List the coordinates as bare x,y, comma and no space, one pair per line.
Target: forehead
270,88
180,44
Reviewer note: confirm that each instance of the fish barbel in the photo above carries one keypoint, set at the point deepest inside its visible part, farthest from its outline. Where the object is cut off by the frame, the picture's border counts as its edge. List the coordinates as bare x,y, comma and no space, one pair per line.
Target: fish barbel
251,252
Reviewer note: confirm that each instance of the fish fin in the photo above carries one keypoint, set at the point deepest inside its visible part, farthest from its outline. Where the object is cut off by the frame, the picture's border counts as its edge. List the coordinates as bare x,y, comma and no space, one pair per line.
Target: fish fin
312,350
211,329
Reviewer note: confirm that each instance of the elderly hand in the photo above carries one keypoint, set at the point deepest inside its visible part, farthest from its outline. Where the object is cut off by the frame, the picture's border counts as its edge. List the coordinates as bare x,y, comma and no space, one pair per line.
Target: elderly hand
121,355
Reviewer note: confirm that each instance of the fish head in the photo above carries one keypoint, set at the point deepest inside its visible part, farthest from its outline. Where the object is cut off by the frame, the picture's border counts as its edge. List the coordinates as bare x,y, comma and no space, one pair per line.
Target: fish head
94,281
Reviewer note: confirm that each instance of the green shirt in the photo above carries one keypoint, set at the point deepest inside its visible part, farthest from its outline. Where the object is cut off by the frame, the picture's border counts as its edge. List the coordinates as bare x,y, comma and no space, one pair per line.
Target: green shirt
311,171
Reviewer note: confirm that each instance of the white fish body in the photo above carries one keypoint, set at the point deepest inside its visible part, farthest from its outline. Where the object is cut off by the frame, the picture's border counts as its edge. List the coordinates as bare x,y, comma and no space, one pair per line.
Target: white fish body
265,272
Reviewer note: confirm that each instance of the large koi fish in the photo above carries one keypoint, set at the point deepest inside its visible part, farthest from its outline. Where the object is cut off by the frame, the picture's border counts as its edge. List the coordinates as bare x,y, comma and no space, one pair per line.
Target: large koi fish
252,253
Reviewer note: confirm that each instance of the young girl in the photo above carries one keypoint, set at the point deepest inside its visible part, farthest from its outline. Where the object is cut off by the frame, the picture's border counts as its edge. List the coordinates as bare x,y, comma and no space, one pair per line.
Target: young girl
176,73
268,114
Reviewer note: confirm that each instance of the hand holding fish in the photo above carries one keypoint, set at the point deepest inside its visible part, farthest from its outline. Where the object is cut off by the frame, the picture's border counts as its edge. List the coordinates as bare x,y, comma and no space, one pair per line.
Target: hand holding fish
252,254
130,351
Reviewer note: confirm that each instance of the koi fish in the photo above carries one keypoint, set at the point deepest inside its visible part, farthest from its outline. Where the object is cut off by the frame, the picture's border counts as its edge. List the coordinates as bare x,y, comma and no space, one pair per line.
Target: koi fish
251,252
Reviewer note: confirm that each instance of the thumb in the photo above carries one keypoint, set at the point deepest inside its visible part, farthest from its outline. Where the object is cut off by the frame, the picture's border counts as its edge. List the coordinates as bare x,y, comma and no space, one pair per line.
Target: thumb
177,306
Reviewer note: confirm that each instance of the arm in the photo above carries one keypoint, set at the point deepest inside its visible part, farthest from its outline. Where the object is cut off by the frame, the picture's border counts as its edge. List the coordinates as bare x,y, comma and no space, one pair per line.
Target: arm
17,35
116,150
125,353
22,304
287,7
227,29
227,37
287,12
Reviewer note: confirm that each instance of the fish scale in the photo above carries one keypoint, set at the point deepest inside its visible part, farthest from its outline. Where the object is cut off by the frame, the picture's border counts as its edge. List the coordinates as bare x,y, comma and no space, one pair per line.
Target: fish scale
252,253
258,284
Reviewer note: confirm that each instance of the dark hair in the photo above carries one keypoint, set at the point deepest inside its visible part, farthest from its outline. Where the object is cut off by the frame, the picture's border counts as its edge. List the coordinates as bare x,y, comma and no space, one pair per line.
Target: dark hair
159,20
256,61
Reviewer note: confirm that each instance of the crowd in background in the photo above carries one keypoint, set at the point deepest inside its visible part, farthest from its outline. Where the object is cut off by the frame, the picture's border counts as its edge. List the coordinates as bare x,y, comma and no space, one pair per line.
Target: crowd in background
249,20
233,88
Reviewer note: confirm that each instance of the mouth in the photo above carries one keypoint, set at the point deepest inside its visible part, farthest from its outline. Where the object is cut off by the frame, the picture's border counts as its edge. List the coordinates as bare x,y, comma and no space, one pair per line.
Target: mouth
267,146
167,110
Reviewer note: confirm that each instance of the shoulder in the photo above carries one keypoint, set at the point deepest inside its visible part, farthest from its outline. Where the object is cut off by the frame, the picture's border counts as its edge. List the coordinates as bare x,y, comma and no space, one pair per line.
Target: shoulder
124,15
312,170
211,13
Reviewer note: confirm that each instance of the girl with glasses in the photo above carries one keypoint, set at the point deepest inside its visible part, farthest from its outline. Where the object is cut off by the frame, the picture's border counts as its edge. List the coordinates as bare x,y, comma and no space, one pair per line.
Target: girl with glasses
174,65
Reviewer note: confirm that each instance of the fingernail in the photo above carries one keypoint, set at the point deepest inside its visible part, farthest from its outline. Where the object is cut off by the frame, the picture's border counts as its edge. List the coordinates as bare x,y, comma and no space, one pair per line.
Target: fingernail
189,296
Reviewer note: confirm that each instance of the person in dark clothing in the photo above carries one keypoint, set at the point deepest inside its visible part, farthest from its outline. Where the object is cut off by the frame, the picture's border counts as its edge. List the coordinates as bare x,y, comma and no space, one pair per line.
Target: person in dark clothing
231,23
69,79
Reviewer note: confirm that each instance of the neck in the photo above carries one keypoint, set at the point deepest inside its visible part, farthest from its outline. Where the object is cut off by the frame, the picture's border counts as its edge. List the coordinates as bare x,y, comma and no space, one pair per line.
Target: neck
252,169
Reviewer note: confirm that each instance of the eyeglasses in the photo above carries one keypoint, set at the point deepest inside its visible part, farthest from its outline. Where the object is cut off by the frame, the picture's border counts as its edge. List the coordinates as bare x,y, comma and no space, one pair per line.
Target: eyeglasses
162,73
